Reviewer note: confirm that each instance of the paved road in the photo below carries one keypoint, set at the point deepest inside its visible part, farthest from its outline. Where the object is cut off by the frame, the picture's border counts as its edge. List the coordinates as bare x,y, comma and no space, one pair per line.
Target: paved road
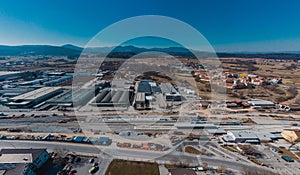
103,166
127,154
84,166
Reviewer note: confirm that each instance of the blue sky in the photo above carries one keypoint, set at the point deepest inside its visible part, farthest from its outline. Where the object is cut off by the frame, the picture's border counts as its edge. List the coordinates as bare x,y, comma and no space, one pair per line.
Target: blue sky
229,25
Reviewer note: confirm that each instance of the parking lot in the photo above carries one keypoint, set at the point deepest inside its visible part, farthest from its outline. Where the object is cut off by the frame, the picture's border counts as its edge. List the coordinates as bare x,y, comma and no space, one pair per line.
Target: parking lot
84,165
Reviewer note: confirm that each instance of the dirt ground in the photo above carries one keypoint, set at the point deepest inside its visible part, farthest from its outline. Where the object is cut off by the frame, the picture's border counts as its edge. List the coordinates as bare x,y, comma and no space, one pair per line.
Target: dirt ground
286,92
117,167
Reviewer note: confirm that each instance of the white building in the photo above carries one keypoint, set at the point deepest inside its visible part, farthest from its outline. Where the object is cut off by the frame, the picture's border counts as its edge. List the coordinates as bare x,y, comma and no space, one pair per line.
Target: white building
261,103
243,136
34,97
249,136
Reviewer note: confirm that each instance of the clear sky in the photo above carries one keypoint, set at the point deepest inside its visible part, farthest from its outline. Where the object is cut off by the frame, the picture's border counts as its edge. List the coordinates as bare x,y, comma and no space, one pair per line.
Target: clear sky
229,25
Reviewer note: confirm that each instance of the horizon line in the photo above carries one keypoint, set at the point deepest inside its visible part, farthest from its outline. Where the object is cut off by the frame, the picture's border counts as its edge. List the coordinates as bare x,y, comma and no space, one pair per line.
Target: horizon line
158,47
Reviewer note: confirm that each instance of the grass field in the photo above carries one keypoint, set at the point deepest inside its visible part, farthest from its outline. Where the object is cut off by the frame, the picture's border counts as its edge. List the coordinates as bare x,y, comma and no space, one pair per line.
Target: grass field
122,167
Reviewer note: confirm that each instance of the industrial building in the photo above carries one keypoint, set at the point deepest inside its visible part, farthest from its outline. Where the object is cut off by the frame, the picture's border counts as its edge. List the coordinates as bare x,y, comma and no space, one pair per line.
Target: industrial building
109,97
148,87
69,99
22,161
140,100
167,88
169,92
10,75
154,87
153,128
63,99
34,97
16,90
56,73
59,81
118,93
249,137
257,103
195,125
241,137
33,82
144,88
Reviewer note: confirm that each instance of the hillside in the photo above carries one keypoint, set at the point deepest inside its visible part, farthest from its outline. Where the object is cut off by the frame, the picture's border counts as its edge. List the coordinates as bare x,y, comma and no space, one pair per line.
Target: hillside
127,52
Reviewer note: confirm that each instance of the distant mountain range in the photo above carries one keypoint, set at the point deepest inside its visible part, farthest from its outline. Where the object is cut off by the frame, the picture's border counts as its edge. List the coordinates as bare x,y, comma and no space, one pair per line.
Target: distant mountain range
45,50
72,51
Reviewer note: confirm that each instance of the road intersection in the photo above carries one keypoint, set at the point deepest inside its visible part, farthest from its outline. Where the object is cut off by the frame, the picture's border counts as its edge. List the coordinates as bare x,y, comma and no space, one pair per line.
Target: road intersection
108,153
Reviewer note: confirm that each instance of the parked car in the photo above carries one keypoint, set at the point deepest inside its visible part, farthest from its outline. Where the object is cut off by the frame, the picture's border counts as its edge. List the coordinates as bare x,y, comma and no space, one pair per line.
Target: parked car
287,158
94,169
77,159
91,160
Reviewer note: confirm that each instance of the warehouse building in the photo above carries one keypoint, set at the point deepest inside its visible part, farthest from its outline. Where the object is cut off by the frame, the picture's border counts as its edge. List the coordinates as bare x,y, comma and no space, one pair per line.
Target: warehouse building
153,128
167,88
56,73
249,137
22,161
241,137
18,90
63,99
144,87
169,92
140,100
60,81
10,75
148,87
32,98
195,125
33,82
257,103
110,97
119,94
145,90
69,99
